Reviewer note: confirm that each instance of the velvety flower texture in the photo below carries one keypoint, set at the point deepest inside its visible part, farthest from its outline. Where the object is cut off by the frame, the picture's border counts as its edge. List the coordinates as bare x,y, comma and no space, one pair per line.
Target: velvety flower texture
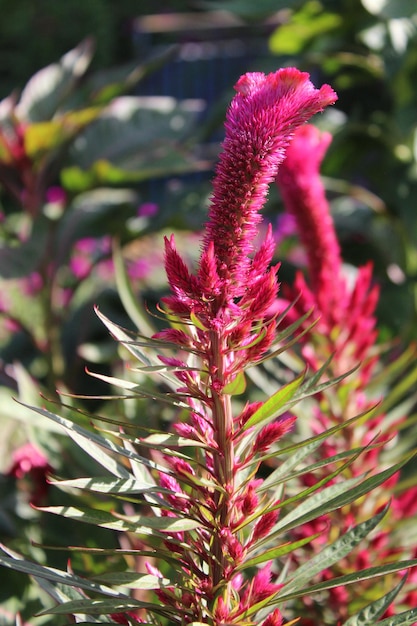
346,315
259,125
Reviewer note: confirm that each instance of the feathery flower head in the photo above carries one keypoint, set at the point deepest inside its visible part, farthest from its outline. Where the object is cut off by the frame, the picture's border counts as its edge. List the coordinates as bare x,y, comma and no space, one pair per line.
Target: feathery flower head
260,123
304,197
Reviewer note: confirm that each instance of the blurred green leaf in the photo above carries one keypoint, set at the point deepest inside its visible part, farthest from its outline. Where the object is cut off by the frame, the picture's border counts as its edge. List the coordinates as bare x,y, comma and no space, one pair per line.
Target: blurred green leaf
133,139
22,259
309,22
47,89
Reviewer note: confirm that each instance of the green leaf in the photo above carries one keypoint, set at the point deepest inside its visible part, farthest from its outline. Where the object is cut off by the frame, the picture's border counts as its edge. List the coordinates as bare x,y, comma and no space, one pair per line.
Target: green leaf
43,137
372,612
276,553
282,471
271,408
108,485
55,575
237,386
125,338
169,440
311,21
47,89
332,498
333,553
86,440
349,579
407,618
103,607
132,580
18,261
134,138
130,301
140,524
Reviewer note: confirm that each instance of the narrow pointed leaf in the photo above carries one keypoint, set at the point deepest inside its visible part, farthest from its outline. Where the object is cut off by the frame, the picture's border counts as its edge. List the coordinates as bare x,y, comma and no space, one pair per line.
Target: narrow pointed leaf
237,386
100,607
287,466
369,614
130,301
350,579
133,580
135,523
56,576
85,438
333,553
407,618
271,407
276,553
123,336
169,440
108,485
352,492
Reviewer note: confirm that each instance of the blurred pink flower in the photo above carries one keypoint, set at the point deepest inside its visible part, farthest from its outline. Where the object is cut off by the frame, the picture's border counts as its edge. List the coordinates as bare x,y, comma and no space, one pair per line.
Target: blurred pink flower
30,463
147,209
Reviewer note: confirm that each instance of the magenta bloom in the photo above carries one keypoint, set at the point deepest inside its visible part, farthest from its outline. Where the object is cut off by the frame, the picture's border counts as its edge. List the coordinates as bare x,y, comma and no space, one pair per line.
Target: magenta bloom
29,463
304,198
259,126
260,123
346,315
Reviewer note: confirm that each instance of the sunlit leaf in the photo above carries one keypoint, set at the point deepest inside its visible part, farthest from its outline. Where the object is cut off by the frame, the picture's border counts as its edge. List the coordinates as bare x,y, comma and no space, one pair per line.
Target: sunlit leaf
276,553
369,614
353,578
55,575
332,498
139,524
108,485
237,386
47,89
309,22
271,407
132,580
332,553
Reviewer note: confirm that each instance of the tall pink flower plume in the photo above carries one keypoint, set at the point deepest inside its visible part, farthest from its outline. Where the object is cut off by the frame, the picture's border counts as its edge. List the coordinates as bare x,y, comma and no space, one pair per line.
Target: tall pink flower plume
260,123
304,197
232,289
346,315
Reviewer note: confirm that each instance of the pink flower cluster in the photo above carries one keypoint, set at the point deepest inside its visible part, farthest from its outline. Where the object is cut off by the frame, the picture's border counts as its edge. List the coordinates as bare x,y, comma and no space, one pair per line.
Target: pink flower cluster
31,467
346,330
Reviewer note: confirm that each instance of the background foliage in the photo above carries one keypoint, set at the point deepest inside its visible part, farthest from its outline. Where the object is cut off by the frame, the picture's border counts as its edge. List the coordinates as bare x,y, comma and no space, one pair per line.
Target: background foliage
130,170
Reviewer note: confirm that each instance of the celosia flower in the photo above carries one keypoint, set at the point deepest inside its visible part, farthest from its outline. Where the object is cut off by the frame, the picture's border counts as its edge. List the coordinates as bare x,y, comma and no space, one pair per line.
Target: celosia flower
230,291
259,125
225,310
29,462
346,316
304,197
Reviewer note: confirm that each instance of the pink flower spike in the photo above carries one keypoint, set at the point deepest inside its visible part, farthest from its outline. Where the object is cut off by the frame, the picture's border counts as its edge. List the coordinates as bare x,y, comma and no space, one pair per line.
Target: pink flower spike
304,197
265,525
272,433
181,281
260,122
